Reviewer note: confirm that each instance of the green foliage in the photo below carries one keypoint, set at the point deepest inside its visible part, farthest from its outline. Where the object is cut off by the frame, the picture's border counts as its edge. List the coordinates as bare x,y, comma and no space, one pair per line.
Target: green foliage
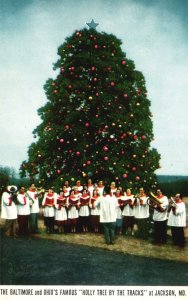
8,177
174,187
97,120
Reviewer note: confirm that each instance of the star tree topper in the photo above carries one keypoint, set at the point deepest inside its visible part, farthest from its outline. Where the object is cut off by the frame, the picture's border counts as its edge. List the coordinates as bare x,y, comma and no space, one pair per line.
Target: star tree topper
92,24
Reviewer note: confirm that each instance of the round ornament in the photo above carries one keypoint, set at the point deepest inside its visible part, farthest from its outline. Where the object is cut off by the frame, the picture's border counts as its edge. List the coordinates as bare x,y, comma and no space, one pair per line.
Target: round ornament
124,175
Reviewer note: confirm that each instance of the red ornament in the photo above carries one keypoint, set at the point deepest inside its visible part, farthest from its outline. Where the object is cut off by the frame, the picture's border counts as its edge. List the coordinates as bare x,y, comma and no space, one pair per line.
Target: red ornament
125,95
135,137
106,158
96,46
112,83
124,62
124,175
78,153
105,148
92,68
67,126
143,137
87,124
134,169
58,171
88,162
137,178
61,140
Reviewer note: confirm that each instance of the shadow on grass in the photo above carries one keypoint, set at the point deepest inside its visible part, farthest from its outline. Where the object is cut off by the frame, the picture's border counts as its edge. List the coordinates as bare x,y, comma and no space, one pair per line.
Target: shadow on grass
30,261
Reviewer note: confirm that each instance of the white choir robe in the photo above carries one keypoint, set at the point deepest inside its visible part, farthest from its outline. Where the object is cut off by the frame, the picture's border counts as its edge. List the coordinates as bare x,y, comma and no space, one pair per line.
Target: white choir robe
100,190
90,189
108,209
84,209
161,216
8,207
113,191
118,209
127,210
95,209
73,211
60,212
34,203
49,211
141,211
23,208
178,219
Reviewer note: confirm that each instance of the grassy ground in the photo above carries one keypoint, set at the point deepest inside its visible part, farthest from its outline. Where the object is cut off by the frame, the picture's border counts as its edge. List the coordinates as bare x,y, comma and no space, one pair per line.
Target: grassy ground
36,261
84,259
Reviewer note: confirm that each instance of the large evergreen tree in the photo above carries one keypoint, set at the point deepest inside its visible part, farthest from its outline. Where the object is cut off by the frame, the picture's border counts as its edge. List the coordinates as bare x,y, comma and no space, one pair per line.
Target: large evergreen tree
97,120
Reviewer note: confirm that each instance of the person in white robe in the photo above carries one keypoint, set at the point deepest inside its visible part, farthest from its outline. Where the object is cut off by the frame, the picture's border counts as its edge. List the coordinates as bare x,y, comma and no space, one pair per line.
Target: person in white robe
9,210
177,220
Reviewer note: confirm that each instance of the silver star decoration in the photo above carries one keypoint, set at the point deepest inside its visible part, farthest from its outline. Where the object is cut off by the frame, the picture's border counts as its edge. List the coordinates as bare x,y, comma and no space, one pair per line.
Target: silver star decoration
92,24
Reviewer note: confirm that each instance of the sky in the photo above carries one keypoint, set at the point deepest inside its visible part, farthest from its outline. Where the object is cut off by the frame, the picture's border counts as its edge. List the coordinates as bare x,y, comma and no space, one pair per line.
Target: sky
154,35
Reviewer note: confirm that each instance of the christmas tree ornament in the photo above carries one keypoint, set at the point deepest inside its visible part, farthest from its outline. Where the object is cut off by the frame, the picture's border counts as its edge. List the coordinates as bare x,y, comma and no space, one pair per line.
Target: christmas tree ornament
143,137
92,24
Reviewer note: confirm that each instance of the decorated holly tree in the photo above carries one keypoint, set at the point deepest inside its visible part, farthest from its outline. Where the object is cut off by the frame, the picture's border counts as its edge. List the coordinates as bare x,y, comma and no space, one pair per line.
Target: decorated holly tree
96,122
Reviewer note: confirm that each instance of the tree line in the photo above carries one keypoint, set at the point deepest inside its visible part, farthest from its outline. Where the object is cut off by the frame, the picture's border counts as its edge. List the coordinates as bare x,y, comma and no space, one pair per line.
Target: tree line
169,184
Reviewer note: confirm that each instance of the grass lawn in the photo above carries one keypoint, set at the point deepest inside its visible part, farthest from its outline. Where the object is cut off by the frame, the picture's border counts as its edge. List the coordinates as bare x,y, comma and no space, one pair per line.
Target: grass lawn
84,259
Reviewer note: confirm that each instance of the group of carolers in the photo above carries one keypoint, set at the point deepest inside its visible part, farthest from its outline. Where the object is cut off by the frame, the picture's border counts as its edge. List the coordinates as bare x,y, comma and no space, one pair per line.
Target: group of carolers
91,205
